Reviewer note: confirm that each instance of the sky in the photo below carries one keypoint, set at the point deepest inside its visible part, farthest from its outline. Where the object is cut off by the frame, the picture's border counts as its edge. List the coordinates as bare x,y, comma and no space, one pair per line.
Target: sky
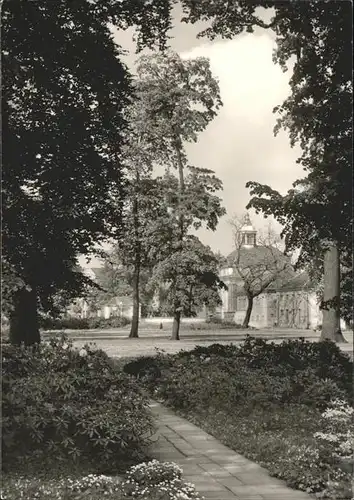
239,144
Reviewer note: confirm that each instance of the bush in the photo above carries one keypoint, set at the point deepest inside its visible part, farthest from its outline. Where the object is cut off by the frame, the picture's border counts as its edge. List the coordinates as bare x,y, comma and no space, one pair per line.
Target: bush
265,401
324,359
223,350
143,367
148,481
72,323
219,324
58,401
112,322
216,382
294,356
153,480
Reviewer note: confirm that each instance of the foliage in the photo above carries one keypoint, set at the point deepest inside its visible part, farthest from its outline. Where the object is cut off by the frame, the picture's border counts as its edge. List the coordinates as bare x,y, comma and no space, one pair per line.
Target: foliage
65,90
66,488
181,97
161,480
155,480
62,402
338,431
73,323
260,266
312,371
265,401
216,323
190,274
143,367
316,41
219,383
113,279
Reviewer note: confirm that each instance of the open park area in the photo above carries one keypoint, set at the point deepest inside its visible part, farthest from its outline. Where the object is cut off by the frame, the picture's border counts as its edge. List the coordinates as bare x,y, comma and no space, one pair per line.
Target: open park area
117,344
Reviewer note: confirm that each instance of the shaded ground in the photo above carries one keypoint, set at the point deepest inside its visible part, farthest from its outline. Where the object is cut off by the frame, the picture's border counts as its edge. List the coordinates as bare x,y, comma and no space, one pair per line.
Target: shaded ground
117,344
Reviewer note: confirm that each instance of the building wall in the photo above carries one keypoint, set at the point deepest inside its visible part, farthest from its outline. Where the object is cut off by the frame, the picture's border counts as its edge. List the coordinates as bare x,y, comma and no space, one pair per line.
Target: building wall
291,309
259,315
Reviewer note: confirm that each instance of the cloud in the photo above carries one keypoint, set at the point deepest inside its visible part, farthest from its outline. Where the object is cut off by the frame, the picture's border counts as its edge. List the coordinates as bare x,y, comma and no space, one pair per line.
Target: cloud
239,144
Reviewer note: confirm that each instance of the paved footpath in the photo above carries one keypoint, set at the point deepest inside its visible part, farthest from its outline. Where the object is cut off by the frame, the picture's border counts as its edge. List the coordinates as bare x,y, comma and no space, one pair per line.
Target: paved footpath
216,471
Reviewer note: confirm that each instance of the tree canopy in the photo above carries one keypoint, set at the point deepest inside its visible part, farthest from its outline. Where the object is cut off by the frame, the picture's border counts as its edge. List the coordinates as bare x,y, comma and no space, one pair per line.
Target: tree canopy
64,92
316,37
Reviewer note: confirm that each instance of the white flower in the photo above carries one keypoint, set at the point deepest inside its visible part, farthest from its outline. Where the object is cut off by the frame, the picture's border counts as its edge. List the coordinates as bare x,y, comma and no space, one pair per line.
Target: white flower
83,353
65,346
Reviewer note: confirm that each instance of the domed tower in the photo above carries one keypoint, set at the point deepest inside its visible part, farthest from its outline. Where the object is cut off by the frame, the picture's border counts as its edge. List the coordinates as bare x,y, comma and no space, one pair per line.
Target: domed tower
248,234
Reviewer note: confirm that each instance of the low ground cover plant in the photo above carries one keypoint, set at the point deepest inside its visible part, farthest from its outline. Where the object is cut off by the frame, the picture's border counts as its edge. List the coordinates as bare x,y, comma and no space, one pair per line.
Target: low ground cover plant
147,481
267,401
70,404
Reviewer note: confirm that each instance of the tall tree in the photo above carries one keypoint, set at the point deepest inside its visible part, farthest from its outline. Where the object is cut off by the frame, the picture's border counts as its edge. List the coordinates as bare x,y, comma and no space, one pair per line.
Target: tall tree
188,267
181,97
195,270
141,210
317,36
64,89
258,266
143,150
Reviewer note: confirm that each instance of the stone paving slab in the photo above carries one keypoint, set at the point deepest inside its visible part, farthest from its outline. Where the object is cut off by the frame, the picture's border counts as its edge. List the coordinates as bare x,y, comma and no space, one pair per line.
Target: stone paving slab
216,471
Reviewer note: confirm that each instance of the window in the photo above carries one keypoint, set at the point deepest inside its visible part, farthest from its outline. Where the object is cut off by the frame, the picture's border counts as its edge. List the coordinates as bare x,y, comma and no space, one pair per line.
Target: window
250,239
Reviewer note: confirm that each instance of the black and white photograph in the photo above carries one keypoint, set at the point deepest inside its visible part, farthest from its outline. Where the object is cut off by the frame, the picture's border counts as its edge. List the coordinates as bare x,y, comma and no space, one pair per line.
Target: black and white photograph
177,250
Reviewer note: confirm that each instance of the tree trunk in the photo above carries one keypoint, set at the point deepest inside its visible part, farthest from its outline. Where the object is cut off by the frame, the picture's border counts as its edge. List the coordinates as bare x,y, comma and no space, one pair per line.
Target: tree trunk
180,167
248,311
176,325
24,327
331,291
135,318
136,278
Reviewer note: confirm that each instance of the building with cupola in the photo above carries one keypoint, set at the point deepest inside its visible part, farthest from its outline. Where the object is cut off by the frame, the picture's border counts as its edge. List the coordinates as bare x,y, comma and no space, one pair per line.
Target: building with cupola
289,300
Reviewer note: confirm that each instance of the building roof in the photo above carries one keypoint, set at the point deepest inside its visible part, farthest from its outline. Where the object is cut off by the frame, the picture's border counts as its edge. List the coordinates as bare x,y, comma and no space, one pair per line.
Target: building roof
287,280
298,282
254,255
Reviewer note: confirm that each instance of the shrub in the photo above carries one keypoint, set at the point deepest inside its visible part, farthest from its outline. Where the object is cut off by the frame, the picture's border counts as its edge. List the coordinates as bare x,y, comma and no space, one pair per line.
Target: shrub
148,481
325,467
225,382
265,401
337,436
72,323
292,356
112,322
74,403
155,480
324,359
218,324
143,367
223,350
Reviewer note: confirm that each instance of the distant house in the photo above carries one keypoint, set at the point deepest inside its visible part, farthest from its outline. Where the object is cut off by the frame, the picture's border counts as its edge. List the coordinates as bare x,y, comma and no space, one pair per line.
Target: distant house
120,306
290,301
